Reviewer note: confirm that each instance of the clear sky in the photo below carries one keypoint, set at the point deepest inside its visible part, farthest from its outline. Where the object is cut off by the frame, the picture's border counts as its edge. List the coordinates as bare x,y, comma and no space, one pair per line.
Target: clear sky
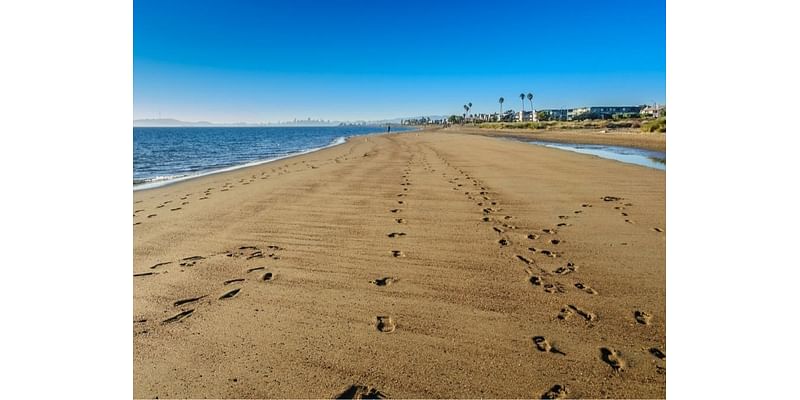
259,61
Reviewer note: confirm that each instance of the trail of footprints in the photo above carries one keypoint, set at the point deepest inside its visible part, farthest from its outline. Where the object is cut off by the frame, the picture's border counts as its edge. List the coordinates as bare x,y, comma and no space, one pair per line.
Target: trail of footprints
188,306
386,323
548,280
543,244
230,185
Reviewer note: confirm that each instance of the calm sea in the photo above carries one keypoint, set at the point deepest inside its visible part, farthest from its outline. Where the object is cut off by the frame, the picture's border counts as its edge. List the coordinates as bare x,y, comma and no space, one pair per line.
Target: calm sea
165,155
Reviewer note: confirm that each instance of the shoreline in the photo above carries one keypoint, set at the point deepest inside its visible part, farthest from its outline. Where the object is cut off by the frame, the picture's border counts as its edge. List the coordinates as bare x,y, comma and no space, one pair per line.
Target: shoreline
625,138
168,182
307,276
654,160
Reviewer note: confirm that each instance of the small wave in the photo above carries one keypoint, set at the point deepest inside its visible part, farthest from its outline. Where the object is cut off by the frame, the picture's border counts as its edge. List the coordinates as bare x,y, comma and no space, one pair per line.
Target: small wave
156,179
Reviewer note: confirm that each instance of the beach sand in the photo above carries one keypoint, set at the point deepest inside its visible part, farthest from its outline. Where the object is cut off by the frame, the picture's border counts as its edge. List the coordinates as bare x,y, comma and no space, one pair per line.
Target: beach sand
613,137
406,265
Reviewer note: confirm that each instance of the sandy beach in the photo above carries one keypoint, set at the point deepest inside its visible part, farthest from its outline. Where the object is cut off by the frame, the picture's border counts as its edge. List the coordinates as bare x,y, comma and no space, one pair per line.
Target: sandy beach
412,265
614,137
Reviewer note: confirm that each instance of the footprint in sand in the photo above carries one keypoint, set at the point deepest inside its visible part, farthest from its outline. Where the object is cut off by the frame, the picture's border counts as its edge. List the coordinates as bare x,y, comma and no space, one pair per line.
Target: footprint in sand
361,392
396,234
642,317
655,351
547,253
585,288
554,288
190,261
160,264
503,242
555,241
556,392
563,270
611,198
544,346
230,294
178,317
533,236
385,281
550,231
398,253
548,287
151,215
185,301
568,311
144,274
612,358
498,230
229,281
524,259
658,229
395,210
267,277
175,209
400,220
385,324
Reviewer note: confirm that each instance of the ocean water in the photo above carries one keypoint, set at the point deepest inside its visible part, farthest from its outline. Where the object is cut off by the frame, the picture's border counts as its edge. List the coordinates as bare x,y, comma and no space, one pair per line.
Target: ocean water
166,155
630,155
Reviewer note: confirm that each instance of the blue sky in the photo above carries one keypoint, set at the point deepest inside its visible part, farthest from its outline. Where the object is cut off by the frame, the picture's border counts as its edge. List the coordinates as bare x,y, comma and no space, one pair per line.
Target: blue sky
257,61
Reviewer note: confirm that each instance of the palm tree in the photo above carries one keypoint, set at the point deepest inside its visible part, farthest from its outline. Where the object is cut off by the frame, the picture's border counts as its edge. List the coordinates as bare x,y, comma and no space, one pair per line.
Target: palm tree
470,106
466,111
530,98
522,97
501,100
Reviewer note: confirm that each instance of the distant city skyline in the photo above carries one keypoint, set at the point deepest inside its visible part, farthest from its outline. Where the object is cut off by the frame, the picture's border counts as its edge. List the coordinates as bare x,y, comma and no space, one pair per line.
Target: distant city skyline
236,61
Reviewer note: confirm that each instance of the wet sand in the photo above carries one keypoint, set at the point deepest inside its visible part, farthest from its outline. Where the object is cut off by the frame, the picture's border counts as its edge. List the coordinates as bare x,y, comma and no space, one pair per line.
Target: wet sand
613,137
406,265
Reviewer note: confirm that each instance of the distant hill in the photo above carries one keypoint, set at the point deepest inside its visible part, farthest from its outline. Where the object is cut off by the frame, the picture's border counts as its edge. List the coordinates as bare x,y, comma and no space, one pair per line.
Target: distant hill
171,122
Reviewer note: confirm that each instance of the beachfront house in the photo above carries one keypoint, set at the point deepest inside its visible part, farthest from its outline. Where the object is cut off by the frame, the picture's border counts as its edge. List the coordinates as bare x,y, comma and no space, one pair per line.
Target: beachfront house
524,116
654,111
556,114
604,112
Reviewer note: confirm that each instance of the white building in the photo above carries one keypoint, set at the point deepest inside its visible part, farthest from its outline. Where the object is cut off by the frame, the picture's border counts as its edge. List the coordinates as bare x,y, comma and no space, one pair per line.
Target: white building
526,116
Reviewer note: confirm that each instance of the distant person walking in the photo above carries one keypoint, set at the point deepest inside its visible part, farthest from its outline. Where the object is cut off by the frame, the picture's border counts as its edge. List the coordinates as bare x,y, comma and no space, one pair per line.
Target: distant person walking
388,128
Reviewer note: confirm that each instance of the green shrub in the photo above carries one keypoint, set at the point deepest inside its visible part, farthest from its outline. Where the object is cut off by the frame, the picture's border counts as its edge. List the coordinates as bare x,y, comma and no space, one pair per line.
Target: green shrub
656,125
